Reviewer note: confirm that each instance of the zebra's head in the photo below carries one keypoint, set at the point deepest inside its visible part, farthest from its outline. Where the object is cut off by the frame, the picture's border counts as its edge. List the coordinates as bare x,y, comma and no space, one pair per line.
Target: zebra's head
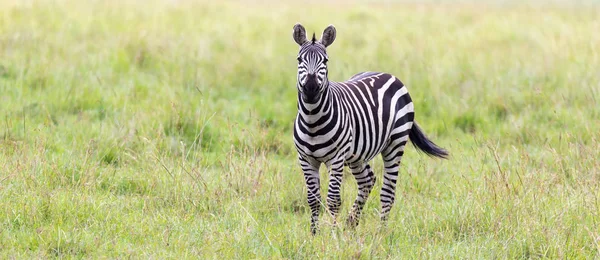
312,62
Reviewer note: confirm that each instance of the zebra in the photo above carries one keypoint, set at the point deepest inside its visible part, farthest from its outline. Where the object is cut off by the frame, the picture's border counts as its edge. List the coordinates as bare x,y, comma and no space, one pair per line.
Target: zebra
347,124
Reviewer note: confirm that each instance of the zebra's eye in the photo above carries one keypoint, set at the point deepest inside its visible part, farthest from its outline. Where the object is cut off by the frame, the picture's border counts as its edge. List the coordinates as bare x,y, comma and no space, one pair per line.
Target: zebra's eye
299,59
325,60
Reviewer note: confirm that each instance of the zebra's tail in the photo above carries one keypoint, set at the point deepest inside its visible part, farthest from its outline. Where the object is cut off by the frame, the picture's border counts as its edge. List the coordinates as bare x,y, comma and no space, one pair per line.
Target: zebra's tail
420,141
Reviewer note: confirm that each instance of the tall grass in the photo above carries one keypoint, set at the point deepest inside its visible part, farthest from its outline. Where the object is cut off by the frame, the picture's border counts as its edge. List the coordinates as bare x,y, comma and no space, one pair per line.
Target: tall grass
162,129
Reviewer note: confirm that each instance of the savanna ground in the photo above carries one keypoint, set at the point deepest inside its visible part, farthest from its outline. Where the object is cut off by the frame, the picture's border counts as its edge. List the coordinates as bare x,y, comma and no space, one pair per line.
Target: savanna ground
163,129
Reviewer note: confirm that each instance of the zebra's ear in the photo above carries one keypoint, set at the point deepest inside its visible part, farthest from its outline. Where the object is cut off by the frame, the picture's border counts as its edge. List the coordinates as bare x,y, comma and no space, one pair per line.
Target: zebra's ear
328,35
299,34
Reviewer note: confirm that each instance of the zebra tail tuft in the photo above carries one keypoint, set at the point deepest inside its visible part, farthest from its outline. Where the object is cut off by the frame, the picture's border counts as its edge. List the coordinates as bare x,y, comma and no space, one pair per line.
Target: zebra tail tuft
420,141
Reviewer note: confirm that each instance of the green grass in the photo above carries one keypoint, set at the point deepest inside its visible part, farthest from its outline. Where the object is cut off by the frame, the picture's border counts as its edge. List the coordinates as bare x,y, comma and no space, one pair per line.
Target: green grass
162,129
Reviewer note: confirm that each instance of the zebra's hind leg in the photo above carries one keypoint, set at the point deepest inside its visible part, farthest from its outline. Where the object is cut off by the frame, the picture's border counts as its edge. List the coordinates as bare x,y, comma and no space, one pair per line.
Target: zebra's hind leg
311,176
392,155
365,179
334,200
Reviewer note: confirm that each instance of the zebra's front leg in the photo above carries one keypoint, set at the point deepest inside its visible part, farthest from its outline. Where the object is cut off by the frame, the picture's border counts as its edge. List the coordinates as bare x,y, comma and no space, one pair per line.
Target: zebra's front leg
311,176
334,200
365,180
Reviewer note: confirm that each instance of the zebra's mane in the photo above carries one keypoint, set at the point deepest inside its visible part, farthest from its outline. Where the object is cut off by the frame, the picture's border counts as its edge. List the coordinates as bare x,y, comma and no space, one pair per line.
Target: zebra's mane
314,38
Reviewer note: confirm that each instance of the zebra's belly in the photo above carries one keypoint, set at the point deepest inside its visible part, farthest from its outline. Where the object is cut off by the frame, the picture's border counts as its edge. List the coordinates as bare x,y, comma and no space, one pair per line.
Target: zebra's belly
356,155
367,144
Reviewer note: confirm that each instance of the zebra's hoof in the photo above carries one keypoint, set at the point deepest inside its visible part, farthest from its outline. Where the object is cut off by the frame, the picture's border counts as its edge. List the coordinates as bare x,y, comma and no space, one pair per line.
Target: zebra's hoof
314,230
352,222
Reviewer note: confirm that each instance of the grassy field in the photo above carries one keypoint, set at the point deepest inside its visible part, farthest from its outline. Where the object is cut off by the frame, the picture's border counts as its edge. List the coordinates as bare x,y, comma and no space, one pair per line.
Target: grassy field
163,129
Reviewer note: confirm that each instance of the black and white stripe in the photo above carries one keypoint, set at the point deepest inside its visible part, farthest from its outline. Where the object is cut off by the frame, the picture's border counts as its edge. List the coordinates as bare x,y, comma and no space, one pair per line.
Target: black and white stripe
348,124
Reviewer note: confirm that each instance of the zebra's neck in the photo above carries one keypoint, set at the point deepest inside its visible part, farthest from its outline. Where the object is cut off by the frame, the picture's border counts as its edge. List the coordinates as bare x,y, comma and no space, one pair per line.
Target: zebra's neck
313,112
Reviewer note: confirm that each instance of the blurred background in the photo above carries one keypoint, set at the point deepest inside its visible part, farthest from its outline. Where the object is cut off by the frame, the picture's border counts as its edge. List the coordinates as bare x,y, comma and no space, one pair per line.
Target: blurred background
164,128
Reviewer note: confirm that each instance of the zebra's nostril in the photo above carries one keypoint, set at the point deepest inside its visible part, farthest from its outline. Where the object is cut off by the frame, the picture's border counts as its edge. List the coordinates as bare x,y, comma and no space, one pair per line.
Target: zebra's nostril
311,84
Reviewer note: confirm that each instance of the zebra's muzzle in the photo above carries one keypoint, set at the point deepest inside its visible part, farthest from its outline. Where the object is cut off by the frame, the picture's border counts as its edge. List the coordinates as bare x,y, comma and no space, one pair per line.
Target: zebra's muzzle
310,90
312,98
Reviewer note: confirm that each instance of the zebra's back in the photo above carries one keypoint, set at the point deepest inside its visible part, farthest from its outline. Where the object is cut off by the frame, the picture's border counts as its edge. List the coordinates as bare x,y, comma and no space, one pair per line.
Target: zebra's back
362,75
